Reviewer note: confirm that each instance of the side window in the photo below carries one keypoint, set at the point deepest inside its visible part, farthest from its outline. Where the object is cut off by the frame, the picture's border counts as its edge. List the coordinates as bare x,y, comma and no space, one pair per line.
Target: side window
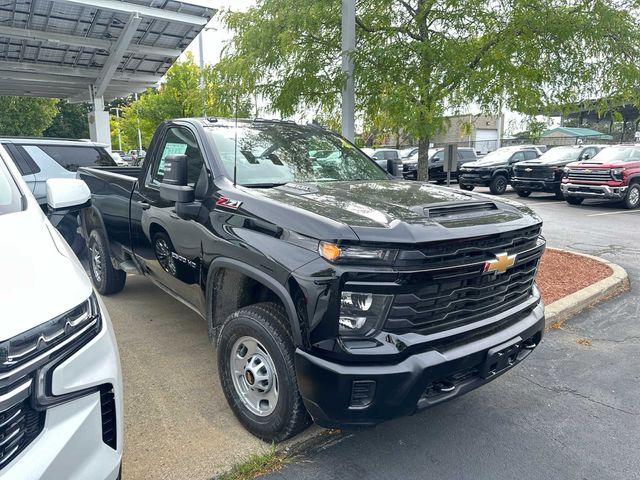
379,155
23,161
589,151
530,154
71,157
179,141
517,157
438,157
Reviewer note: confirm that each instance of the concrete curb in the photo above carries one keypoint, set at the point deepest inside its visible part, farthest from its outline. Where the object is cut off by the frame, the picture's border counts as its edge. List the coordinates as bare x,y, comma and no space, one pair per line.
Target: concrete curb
561,310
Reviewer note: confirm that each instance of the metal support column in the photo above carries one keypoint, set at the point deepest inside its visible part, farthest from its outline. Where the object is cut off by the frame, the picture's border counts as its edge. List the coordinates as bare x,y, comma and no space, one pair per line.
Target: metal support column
99,128
348,46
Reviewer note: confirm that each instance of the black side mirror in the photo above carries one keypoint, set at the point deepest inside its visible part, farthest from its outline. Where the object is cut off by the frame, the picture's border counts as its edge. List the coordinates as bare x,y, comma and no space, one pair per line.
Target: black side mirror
584,157
174,186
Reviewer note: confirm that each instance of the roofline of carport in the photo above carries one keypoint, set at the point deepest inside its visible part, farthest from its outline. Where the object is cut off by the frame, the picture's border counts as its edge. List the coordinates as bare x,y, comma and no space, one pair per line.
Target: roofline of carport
151,12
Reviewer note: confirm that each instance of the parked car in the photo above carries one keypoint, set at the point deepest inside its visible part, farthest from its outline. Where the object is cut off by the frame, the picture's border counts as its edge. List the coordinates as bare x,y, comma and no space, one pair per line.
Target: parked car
408,152
118,159
436,162
39,159
61,414
495,169
613,174
389,159
544,174
317,275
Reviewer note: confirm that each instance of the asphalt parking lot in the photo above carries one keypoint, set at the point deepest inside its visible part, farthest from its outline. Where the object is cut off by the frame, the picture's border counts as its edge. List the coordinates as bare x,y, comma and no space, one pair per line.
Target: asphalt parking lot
570,411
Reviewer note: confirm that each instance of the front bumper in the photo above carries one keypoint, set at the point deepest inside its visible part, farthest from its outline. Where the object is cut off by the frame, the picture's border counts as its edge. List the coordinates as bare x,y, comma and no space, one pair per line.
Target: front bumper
71,446
606,192
415,383
482,179
536,185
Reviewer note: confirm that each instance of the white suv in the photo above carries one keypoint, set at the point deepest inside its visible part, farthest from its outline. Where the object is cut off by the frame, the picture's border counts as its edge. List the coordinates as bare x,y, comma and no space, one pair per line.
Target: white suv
60,378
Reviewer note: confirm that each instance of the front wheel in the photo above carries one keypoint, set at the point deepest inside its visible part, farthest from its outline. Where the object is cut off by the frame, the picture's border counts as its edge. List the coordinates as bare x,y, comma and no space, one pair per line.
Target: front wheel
632,200
523,193
468,188
574,200
105,277
498,185
257,373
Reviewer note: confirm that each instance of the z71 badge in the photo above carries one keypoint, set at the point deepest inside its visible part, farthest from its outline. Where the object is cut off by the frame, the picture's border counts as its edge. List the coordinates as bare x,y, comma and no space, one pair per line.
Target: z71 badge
228,203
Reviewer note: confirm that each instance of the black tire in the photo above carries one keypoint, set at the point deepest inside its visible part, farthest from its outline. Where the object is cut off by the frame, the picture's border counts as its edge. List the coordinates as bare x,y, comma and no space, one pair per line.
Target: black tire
499,184
559,195
523,193
632,200
468,188
441,182
574,200
264,323
107,279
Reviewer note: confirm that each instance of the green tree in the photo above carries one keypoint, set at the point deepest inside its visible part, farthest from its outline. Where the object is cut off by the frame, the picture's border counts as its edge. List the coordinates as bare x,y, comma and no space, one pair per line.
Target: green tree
70,122
180,96
26,115
415,59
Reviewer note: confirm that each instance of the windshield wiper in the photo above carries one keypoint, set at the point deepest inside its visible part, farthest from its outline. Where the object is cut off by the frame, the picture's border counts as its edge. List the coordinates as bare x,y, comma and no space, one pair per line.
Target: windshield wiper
264,185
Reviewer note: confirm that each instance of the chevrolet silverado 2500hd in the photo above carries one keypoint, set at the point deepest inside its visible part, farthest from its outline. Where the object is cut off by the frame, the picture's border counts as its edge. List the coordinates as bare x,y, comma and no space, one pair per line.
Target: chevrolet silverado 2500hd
332,291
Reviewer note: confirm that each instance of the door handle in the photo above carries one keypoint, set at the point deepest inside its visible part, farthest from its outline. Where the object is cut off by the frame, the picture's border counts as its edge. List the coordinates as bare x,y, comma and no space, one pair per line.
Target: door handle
144,205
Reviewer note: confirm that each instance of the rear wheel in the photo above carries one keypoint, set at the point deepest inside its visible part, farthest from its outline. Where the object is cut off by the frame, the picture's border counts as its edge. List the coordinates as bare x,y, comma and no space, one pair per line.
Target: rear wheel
574,200
498,185
632,200
257,373
105,277
523,193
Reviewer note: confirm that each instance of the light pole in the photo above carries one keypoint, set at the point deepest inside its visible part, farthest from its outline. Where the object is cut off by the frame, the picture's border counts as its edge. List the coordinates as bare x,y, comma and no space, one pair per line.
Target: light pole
202,84
118,117
348,46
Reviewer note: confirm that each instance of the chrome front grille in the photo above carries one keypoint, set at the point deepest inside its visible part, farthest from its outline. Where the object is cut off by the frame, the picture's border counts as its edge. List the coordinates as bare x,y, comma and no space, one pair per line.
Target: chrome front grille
452,288
20,423
590,175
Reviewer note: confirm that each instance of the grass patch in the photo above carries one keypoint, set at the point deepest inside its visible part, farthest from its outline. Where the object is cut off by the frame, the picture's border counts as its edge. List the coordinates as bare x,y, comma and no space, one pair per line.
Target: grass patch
256,465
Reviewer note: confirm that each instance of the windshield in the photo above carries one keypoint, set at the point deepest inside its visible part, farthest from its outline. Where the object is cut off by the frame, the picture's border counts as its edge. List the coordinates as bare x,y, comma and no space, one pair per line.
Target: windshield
496,156
617,154
559,154
10,198
275,154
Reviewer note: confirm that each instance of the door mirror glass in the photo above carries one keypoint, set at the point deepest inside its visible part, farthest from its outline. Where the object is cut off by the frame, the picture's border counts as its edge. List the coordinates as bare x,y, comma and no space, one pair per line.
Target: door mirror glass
174,186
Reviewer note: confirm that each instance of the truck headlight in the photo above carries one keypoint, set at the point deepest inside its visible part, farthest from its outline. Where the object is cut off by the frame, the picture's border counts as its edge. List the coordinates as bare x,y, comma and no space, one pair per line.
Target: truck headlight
616,173
565,172
335,253
361,314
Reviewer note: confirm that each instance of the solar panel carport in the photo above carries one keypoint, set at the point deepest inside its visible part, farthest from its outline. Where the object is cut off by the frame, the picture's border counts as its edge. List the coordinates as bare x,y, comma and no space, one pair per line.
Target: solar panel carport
92,50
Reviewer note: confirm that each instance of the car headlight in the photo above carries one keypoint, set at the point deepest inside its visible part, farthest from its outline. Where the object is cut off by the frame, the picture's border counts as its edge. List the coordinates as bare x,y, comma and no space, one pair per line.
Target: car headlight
617,173
69,330
565,172
361,314
336,253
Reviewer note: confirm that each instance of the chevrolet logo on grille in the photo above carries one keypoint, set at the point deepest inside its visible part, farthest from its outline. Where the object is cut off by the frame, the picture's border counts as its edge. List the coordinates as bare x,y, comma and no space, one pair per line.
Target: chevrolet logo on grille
528,169
501,264
586,171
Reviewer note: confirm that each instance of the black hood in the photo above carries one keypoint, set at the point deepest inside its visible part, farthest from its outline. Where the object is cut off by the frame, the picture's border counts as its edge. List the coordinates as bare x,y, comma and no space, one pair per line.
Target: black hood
382,211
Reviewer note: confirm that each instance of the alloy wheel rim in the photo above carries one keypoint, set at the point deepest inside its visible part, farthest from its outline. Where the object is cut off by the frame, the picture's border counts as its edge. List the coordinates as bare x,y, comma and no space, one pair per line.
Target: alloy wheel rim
96,263
163,254
254,376
634,196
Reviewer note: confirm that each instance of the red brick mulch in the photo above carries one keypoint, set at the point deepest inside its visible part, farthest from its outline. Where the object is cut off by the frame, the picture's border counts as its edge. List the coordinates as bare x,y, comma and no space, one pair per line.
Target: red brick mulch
562,273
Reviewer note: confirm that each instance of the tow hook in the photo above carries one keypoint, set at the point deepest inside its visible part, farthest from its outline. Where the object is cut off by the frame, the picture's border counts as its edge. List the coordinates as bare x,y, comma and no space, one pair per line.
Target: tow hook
529,344
444,386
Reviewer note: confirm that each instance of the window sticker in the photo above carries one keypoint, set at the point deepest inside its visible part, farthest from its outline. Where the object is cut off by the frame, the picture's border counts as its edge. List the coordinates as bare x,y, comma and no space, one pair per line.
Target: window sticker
171,149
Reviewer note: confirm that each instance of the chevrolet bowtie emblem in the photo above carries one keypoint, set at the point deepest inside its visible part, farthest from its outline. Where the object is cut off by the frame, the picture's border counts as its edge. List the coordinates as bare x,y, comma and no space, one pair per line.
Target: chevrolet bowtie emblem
501,264
528,169
586,171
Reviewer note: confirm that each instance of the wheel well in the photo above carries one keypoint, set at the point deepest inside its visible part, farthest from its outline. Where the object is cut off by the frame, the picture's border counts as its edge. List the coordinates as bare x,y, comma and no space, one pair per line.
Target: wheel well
90,220
233,290
501,173
156,228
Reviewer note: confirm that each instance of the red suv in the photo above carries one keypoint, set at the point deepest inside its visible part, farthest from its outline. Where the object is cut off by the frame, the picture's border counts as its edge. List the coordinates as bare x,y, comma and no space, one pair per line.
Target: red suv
613,174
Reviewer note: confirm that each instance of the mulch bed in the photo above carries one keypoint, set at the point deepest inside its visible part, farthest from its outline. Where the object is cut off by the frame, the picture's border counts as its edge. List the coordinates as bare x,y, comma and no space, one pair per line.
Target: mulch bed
562,273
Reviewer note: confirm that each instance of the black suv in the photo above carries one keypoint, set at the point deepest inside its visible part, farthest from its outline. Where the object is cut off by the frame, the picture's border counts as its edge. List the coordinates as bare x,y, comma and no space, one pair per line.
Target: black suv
495,169
545,173
436,161
331,290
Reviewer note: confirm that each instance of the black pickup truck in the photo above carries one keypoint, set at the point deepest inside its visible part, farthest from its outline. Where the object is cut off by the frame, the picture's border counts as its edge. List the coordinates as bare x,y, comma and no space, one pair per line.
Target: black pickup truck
333,291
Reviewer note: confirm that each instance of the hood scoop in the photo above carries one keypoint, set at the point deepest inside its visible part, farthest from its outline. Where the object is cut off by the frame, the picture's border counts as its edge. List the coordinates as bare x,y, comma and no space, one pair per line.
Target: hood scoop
457,211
